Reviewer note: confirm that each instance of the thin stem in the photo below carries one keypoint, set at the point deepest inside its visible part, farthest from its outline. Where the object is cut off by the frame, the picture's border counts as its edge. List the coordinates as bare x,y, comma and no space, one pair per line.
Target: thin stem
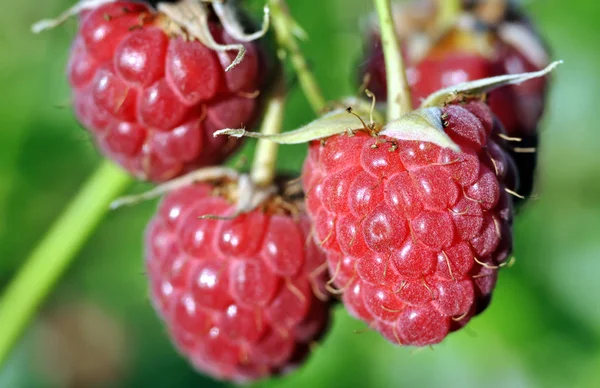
447,12
265,156
283,24
399,100
55,252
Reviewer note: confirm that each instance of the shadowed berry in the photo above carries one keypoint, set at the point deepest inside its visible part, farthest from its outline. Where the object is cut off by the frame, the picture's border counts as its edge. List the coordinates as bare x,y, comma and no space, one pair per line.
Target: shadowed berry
152,97
413,232
240,298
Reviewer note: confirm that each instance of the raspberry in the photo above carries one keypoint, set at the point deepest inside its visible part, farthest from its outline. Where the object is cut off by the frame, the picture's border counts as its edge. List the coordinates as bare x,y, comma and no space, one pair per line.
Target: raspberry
152,98
519,107
239,297
510,47
413,232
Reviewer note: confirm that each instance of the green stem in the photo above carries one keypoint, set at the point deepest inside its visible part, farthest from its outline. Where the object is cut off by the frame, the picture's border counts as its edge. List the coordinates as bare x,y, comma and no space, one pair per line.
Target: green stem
283,25
447,12
399,100
55,252
265,155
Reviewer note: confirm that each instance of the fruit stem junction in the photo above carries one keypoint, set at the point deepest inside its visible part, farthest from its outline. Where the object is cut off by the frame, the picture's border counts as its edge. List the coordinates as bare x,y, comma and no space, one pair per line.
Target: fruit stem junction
399,99
40,272
285,28
265,155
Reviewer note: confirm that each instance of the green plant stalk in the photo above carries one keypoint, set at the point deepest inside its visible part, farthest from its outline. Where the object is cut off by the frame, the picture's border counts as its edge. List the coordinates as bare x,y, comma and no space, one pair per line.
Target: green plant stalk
399,100
265,156
447,13
283,24
40,272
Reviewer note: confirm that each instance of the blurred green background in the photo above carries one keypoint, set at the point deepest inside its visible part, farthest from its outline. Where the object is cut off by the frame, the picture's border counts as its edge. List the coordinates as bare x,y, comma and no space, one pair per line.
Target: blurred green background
99,330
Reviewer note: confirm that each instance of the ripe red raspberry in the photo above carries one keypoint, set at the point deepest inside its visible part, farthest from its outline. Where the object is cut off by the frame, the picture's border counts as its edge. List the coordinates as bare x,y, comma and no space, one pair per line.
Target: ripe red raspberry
152,97
467,53
413,232
519,107
239,298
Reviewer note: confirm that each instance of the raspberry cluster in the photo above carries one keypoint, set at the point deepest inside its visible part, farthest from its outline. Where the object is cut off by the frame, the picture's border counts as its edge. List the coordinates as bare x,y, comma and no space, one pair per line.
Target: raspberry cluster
414,232
239,297
409,227
152,98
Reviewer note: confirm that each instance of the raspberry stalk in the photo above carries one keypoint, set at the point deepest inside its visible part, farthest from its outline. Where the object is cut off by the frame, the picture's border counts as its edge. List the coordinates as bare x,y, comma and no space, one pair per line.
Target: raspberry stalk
399,99
447,12
265,155
284,27
56,251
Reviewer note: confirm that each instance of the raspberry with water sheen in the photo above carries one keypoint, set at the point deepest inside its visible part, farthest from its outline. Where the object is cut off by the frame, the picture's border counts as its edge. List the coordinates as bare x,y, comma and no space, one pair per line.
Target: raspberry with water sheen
242,299
413,233
152,99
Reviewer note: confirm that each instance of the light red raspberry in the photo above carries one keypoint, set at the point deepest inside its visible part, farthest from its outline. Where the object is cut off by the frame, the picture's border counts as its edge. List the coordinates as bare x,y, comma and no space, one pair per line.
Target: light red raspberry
242,299
413,232
152,98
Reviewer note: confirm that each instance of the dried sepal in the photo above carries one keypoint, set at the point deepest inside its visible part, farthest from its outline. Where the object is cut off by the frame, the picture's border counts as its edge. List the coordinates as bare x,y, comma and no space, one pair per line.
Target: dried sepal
203,175
82,5
190,17
239,188
249,197
193,16
230,19
482,86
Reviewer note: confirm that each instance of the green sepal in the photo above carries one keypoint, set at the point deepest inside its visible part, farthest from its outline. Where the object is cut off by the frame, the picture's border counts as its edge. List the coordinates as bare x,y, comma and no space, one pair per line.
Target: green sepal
333,123
421,125
482,86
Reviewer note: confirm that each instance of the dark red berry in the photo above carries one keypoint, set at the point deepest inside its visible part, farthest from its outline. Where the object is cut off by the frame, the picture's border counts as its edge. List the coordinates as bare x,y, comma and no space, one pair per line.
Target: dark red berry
474,50
152,98
413,232
240,298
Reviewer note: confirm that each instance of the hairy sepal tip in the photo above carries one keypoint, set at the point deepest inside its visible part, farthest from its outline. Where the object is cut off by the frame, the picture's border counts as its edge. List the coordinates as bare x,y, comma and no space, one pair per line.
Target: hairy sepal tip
234,132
